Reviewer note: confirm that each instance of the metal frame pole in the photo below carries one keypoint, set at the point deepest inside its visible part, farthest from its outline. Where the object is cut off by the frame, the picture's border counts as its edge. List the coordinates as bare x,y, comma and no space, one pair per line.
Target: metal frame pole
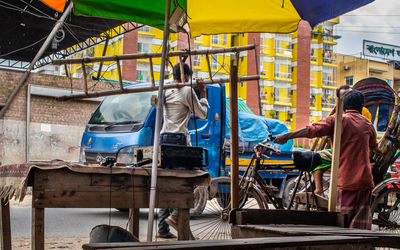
35,59
156,143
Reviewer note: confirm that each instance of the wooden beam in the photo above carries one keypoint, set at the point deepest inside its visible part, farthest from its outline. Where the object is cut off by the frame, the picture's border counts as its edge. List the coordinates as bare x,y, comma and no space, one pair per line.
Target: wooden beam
121,85
234,132
37,228
337,134
147,89
153,83
134,216
85,87
209,66
181,69
5,225
151,55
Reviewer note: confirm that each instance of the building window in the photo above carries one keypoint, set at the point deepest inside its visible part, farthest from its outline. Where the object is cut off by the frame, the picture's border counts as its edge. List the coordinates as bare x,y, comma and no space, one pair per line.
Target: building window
276,94
196,60
214,62
349,80
214,39
145,28
277,70
224,39
142,76
143,47
389,81
277,46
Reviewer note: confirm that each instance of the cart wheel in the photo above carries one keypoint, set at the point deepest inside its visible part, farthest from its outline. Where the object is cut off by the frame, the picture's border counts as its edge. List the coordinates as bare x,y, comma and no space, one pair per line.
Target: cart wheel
386,210
213,223
200,200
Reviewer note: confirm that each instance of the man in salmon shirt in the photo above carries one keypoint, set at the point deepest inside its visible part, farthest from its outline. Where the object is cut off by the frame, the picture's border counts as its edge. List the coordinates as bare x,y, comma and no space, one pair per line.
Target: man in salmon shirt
355,181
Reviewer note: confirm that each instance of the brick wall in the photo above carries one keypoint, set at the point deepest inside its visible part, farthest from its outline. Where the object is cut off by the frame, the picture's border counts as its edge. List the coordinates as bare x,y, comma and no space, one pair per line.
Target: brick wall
130,47
47,109
55,127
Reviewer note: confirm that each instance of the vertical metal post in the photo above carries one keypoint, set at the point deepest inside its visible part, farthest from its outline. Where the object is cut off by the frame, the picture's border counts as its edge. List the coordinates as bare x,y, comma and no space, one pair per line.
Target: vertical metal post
157,129
337,134
46,43
258,81
233,89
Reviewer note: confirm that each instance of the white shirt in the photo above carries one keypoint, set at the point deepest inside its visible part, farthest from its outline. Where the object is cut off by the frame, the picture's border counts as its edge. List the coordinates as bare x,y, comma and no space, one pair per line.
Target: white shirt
177,108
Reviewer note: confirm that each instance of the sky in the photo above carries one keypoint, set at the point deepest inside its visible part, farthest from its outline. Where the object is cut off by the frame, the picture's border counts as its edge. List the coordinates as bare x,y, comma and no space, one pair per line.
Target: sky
378,21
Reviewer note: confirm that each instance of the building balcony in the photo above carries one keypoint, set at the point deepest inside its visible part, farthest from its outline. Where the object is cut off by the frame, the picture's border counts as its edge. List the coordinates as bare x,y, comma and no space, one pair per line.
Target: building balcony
283,52
330,60
328,83
283,76
285,101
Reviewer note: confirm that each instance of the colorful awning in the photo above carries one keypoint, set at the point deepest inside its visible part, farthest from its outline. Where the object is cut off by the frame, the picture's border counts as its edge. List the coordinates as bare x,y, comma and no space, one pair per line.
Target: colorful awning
221,16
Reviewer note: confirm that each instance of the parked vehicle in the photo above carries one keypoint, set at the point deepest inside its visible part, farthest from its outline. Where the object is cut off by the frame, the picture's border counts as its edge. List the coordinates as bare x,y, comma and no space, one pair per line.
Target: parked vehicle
122,122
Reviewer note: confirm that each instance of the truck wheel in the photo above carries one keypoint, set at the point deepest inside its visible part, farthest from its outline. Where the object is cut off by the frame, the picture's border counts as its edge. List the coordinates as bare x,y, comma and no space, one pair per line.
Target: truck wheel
200,200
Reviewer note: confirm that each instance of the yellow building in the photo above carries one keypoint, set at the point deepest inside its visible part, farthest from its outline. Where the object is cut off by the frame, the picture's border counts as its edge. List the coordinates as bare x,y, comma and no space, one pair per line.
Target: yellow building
277,62
351,69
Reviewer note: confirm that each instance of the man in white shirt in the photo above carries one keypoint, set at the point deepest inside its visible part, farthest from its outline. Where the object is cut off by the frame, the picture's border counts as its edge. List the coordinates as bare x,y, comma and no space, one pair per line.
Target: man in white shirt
179,103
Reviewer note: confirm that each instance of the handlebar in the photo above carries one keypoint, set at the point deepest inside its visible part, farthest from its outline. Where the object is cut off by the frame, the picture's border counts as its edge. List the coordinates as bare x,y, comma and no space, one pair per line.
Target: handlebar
263,144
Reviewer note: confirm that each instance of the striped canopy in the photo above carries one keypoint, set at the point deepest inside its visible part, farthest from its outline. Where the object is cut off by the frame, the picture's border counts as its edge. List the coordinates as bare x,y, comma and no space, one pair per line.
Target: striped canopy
219,16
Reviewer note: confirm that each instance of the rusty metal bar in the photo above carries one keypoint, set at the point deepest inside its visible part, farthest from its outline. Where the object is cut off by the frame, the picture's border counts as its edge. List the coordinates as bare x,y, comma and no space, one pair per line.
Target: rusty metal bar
181,69
151,55
151,88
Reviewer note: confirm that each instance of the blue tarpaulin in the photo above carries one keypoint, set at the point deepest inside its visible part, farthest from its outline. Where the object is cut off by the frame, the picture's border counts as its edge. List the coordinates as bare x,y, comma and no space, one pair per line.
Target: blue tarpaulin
253,128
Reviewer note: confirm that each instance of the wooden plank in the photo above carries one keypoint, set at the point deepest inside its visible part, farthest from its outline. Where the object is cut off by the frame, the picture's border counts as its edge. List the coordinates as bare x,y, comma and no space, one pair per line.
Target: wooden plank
72,181
267,216
303,242
5,225
234,132
78,199
134,214
37,228
382,239
337,135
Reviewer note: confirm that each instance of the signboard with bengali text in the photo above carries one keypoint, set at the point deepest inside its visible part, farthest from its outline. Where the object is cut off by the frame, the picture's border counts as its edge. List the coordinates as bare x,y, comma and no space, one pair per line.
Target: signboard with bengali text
381,50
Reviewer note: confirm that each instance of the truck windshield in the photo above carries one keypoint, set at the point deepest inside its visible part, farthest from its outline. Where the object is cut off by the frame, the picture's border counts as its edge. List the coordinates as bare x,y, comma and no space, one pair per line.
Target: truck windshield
127,108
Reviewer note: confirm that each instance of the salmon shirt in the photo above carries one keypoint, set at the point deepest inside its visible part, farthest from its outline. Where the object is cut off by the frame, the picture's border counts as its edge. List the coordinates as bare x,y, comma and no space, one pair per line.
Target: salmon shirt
358,136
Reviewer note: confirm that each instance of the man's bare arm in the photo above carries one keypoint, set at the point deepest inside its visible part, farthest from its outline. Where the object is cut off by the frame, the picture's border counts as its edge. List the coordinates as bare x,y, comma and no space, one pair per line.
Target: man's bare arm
283,138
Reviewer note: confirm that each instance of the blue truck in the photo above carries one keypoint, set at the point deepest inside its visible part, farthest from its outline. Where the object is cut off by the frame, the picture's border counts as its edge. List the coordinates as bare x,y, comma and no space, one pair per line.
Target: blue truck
122,122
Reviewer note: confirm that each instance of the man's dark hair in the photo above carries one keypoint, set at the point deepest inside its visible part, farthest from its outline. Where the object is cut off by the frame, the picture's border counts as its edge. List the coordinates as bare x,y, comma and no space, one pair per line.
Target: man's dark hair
177,71
340,88
353,100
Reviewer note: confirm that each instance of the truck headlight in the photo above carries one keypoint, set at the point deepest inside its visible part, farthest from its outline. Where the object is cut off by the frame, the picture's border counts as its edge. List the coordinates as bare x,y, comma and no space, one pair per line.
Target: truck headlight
126,155
82,156
135,155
